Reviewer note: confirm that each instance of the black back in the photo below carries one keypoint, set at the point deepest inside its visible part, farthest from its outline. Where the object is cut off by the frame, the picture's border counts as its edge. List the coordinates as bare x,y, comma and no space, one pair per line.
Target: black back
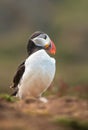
18,75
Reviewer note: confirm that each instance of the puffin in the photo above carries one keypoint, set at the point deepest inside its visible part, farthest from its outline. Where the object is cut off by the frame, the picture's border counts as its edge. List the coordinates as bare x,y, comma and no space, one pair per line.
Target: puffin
35,74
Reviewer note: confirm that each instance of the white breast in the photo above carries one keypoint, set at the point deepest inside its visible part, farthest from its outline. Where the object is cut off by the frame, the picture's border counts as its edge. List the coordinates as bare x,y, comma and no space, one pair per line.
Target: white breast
38,75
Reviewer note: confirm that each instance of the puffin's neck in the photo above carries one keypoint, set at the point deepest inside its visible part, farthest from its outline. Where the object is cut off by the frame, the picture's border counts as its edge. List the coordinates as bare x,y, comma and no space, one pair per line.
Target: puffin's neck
32,48
35,50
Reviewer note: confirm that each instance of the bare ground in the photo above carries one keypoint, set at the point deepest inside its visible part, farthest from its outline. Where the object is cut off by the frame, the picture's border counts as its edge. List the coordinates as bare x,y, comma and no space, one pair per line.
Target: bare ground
31,114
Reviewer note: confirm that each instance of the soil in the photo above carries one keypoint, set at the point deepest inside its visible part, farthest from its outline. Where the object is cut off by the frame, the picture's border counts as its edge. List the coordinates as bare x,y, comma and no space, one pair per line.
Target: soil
31,114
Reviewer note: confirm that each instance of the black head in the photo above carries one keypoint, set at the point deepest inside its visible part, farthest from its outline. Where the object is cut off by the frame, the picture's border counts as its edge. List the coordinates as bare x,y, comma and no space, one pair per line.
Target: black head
39,40
31,47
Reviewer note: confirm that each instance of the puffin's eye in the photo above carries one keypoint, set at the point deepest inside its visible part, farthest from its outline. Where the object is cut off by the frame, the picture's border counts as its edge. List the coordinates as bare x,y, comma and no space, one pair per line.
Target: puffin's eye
45,36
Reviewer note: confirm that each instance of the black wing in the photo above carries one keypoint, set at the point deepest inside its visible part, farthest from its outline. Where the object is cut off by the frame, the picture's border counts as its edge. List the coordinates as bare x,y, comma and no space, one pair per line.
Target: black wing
18,75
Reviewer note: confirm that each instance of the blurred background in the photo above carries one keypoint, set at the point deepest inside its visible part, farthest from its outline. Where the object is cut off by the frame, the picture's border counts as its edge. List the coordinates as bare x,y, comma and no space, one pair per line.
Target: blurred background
65,21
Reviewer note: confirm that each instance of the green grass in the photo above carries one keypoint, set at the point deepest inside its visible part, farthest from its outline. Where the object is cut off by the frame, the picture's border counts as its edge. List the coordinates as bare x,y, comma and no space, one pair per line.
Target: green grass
8,98
74,124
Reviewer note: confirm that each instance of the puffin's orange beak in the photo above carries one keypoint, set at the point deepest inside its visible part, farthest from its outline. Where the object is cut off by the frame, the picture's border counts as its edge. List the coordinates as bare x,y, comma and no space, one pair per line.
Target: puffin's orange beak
52,50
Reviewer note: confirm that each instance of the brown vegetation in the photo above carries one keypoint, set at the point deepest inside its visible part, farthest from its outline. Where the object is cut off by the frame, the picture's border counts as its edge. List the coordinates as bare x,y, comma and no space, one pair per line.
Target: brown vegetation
60,112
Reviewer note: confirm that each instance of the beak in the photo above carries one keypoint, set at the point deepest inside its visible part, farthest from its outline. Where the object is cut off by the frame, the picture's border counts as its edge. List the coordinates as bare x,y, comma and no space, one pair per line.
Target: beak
52,49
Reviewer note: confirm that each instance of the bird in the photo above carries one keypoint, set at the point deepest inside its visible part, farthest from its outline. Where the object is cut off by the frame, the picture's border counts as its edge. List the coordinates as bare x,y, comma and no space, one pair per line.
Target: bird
35,74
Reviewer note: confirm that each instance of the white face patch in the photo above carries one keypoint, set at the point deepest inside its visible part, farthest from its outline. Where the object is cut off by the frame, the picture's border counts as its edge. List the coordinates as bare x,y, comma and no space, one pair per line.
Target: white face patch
42,40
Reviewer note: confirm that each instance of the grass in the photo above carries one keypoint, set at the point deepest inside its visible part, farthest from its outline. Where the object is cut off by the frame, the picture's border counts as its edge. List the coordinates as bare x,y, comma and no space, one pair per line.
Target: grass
74,124
7,98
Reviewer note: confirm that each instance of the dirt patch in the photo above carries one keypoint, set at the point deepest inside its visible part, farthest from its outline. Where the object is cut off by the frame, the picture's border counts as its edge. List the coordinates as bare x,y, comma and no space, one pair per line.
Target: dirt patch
35,115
